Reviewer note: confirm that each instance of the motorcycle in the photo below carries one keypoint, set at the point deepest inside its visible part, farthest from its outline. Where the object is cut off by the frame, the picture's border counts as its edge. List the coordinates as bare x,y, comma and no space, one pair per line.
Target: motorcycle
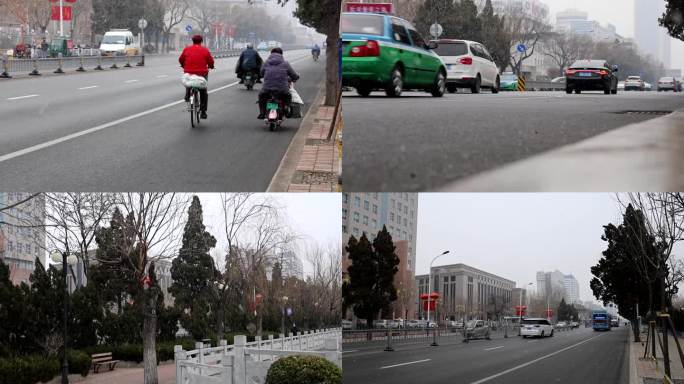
277,111
250,79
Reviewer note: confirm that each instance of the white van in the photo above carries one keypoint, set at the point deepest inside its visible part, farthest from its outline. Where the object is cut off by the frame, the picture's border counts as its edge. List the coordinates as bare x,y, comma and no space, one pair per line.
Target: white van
119,42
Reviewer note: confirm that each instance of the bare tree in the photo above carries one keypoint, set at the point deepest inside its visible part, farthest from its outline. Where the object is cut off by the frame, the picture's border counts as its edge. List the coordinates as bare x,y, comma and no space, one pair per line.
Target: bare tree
72,220
176,10
156,226
563,49
522,29
326,281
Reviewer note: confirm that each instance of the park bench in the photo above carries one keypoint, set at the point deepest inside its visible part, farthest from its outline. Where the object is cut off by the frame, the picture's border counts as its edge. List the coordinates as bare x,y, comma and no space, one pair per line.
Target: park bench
100,359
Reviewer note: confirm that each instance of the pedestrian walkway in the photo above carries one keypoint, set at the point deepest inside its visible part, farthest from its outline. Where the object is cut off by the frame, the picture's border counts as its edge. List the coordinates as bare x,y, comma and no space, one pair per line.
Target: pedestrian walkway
318,167
166,373
650,371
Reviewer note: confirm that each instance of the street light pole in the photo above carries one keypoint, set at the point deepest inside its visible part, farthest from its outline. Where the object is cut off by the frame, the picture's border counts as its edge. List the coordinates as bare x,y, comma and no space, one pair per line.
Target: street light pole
61,20
430,284
282,320
66,259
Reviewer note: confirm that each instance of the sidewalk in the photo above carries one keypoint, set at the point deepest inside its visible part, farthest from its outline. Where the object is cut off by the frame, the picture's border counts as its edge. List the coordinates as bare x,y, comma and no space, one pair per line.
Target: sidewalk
313,162
165,372
649,371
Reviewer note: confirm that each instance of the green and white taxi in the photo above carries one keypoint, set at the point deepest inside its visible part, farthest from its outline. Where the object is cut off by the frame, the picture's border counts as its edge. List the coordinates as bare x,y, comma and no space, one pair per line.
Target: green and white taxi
384,52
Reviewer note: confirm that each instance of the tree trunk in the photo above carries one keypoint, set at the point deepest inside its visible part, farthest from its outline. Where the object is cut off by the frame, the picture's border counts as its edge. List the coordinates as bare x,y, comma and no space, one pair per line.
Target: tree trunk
150,336
220,327
636,330
332,82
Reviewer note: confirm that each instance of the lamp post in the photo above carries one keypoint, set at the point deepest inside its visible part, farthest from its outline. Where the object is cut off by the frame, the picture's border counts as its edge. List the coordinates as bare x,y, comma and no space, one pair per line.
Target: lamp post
65,258
282,320
520,308
430,284
434,332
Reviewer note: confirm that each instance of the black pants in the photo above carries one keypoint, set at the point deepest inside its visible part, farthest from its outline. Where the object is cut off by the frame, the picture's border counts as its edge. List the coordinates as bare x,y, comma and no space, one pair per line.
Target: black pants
264,96
204,96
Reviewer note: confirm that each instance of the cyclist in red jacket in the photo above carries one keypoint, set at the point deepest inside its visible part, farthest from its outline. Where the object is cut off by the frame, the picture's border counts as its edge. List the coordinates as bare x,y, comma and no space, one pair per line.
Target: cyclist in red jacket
197,60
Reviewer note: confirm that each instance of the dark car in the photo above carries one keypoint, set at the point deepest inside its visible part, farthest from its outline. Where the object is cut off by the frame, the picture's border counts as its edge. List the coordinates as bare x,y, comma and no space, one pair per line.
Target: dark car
591,75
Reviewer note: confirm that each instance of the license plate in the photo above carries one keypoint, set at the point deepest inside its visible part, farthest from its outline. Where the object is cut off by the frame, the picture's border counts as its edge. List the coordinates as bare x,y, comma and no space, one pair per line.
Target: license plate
585,74
272,106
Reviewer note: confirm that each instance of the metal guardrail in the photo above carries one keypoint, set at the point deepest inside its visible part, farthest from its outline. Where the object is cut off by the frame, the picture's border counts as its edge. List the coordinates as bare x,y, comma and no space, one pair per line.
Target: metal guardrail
544,86
34,67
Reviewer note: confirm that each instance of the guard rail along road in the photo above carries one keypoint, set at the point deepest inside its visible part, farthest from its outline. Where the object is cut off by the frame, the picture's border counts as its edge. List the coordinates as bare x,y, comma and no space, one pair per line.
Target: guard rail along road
248,363
36,66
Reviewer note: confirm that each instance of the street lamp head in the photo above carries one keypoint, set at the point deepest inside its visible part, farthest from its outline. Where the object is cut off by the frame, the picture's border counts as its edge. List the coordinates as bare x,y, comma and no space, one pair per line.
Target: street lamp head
56,256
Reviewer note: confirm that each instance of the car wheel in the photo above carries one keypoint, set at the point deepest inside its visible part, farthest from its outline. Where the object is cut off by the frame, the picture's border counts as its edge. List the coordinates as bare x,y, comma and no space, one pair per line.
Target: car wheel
614,91
542,334
524,336
578,91
396,85
606,91
568,90
497,85
551,335
476,85
363,90
439,87
451,88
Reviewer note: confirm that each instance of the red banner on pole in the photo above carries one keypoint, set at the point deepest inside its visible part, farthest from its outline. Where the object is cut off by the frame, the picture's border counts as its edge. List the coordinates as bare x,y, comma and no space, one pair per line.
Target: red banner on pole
520,311
370,7
66,13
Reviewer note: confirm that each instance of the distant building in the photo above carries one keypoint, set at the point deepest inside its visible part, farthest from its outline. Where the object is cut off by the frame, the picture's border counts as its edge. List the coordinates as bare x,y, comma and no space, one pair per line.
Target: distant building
573,21
466,292
23,236
651,38
162,269
291,265
571,289
516,297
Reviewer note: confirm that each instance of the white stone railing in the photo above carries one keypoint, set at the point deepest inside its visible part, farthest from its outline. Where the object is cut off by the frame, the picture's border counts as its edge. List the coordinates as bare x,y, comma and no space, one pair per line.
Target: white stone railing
248,363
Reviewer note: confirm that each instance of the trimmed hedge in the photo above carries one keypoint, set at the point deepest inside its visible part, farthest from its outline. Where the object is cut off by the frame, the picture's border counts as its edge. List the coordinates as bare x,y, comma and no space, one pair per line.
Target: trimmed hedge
40,369
303,370
79,362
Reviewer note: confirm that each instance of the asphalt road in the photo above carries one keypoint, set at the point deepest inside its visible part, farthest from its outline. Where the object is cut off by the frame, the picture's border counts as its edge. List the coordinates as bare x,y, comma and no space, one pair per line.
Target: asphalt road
577,356
128,130
421,143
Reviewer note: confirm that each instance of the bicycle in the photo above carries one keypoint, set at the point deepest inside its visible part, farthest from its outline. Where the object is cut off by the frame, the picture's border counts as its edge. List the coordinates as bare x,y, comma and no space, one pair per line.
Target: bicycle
195,106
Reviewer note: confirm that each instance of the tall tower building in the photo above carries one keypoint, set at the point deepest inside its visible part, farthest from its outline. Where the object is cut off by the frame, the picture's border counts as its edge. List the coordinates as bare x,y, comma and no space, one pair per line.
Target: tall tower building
571,289
23,237
650,37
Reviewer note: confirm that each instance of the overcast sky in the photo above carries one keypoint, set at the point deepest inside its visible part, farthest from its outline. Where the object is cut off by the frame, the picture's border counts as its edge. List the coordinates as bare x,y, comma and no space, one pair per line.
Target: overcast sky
315,217
617,12
516,235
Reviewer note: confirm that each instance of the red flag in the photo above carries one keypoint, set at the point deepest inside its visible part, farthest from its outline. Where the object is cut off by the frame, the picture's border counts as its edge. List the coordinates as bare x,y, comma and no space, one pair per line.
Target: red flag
66,13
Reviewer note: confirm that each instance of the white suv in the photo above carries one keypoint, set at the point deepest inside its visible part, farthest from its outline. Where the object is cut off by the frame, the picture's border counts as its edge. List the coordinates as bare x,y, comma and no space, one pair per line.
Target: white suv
469,65
634,82
536,326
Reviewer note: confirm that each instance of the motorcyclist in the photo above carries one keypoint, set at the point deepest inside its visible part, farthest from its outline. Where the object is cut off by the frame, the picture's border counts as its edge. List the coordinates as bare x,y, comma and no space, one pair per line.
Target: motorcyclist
250,61
316,50
197,60
277,74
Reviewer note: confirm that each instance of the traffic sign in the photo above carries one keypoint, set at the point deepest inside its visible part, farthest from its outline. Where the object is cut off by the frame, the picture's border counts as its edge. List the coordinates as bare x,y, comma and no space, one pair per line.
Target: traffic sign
188,28
142,23
436,30
522,48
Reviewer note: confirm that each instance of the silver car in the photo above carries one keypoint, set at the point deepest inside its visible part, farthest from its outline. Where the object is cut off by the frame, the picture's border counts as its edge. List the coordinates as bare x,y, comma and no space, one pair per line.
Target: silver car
476,329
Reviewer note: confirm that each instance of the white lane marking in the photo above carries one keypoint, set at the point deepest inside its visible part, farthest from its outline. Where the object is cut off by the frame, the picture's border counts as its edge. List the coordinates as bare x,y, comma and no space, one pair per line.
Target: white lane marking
162,76
410,362
491,349
533,361
72,136
353,350
131,81
90,87
75,135
22,97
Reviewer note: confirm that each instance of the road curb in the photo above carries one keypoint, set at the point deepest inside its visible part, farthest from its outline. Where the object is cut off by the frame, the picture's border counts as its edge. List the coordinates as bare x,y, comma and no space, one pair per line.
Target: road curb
288,165
646,156
633,375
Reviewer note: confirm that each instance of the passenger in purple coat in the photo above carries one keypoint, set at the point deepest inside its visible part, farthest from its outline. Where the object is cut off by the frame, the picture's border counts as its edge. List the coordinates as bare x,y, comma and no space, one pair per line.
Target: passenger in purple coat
277,74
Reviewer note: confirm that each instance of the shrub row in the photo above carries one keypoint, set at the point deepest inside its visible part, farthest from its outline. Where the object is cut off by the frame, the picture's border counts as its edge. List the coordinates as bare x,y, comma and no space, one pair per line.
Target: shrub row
36,368
303,370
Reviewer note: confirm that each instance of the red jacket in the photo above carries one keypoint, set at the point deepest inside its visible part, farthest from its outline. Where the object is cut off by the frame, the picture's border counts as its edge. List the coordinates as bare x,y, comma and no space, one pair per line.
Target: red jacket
196,60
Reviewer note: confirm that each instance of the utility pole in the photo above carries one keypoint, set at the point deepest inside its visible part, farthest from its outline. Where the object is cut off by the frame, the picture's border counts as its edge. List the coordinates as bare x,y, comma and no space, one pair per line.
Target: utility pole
61,17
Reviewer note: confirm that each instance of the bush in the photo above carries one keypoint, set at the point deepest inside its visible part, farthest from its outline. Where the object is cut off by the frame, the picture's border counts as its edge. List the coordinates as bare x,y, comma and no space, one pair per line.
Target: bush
79,362
304,370
28,369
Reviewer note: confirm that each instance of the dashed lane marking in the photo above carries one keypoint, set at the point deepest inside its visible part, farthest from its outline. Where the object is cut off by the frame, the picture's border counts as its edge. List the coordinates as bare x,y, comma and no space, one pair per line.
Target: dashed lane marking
22,97
493,348
90,87
410,362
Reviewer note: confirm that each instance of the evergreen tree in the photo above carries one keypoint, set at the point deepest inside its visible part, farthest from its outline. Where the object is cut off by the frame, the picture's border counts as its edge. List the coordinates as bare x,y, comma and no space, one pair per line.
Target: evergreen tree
194,274
443,12
673,18
467,26
370,286
493,35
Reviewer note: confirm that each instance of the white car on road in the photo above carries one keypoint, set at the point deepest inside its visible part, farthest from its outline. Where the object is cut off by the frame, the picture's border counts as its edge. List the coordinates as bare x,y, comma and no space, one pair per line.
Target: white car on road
536,326
635,83
469,65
